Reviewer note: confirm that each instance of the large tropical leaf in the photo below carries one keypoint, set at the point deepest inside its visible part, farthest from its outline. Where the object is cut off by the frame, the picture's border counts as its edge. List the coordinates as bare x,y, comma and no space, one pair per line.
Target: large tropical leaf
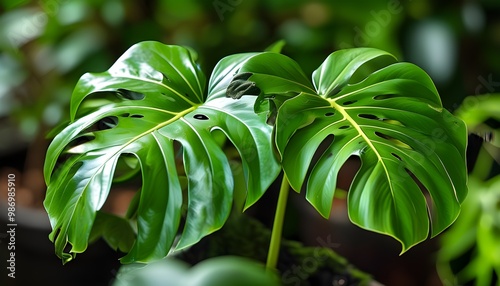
388,113
469,249
128,119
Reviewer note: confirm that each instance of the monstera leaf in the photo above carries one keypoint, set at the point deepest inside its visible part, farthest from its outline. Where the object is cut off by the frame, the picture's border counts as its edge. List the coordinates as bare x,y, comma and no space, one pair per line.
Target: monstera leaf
133,118
363,102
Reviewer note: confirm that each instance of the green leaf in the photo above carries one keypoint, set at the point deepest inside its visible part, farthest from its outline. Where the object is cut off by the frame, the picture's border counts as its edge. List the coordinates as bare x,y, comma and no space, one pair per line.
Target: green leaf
476,110
280,80
116,231
476,232
217,271
151,98
390,115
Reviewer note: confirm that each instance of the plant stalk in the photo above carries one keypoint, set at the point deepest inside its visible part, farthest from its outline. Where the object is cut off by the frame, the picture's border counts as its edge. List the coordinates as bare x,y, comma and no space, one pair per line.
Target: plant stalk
274,246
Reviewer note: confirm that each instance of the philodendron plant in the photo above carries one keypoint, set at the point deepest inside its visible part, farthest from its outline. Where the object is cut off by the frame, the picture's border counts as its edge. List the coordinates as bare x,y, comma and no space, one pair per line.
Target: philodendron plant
469,253
153,109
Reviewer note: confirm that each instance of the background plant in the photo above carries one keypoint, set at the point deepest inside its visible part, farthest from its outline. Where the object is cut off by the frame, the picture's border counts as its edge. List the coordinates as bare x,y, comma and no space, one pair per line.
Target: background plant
476,233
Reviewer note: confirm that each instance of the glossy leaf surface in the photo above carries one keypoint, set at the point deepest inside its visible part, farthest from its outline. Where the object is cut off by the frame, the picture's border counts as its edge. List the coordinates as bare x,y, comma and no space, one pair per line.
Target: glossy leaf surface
365,103
152,97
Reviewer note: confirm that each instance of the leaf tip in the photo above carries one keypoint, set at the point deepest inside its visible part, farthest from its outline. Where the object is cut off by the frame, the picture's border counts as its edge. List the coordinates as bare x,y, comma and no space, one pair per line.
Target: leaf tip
276,47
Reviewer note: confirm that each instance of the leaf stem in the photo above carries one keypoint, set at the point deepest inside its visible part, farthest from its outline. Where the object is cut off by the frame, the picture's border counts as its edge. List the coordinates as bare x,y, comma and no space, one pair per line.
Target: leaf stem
274,246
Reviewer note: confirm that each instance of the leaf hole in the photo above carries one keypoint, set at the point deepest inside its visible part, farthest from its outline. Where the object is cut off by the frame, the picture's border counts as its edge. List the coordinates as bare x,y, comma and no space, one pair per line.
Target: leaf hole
200,117
349,102
67,247
127,169
428,198
493,123
81,139
84,138
347,172
344,127
107,123
383,136
393,140
137,116
129,94
328,114
384,96
368,116
397,156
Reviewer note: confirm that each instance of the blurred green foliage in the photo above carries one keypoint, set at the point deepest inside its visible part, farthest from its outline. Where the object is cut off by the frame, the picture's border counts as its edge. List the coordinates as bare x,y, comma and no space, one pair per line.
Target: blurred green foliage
47,45
469,253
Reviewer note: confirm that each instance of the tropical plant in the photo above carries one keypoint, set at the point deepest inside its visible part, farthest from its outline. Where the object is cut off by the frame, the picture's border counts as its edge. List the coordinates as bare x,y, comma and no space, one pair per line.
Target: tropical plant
152,109
469,249
151,97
